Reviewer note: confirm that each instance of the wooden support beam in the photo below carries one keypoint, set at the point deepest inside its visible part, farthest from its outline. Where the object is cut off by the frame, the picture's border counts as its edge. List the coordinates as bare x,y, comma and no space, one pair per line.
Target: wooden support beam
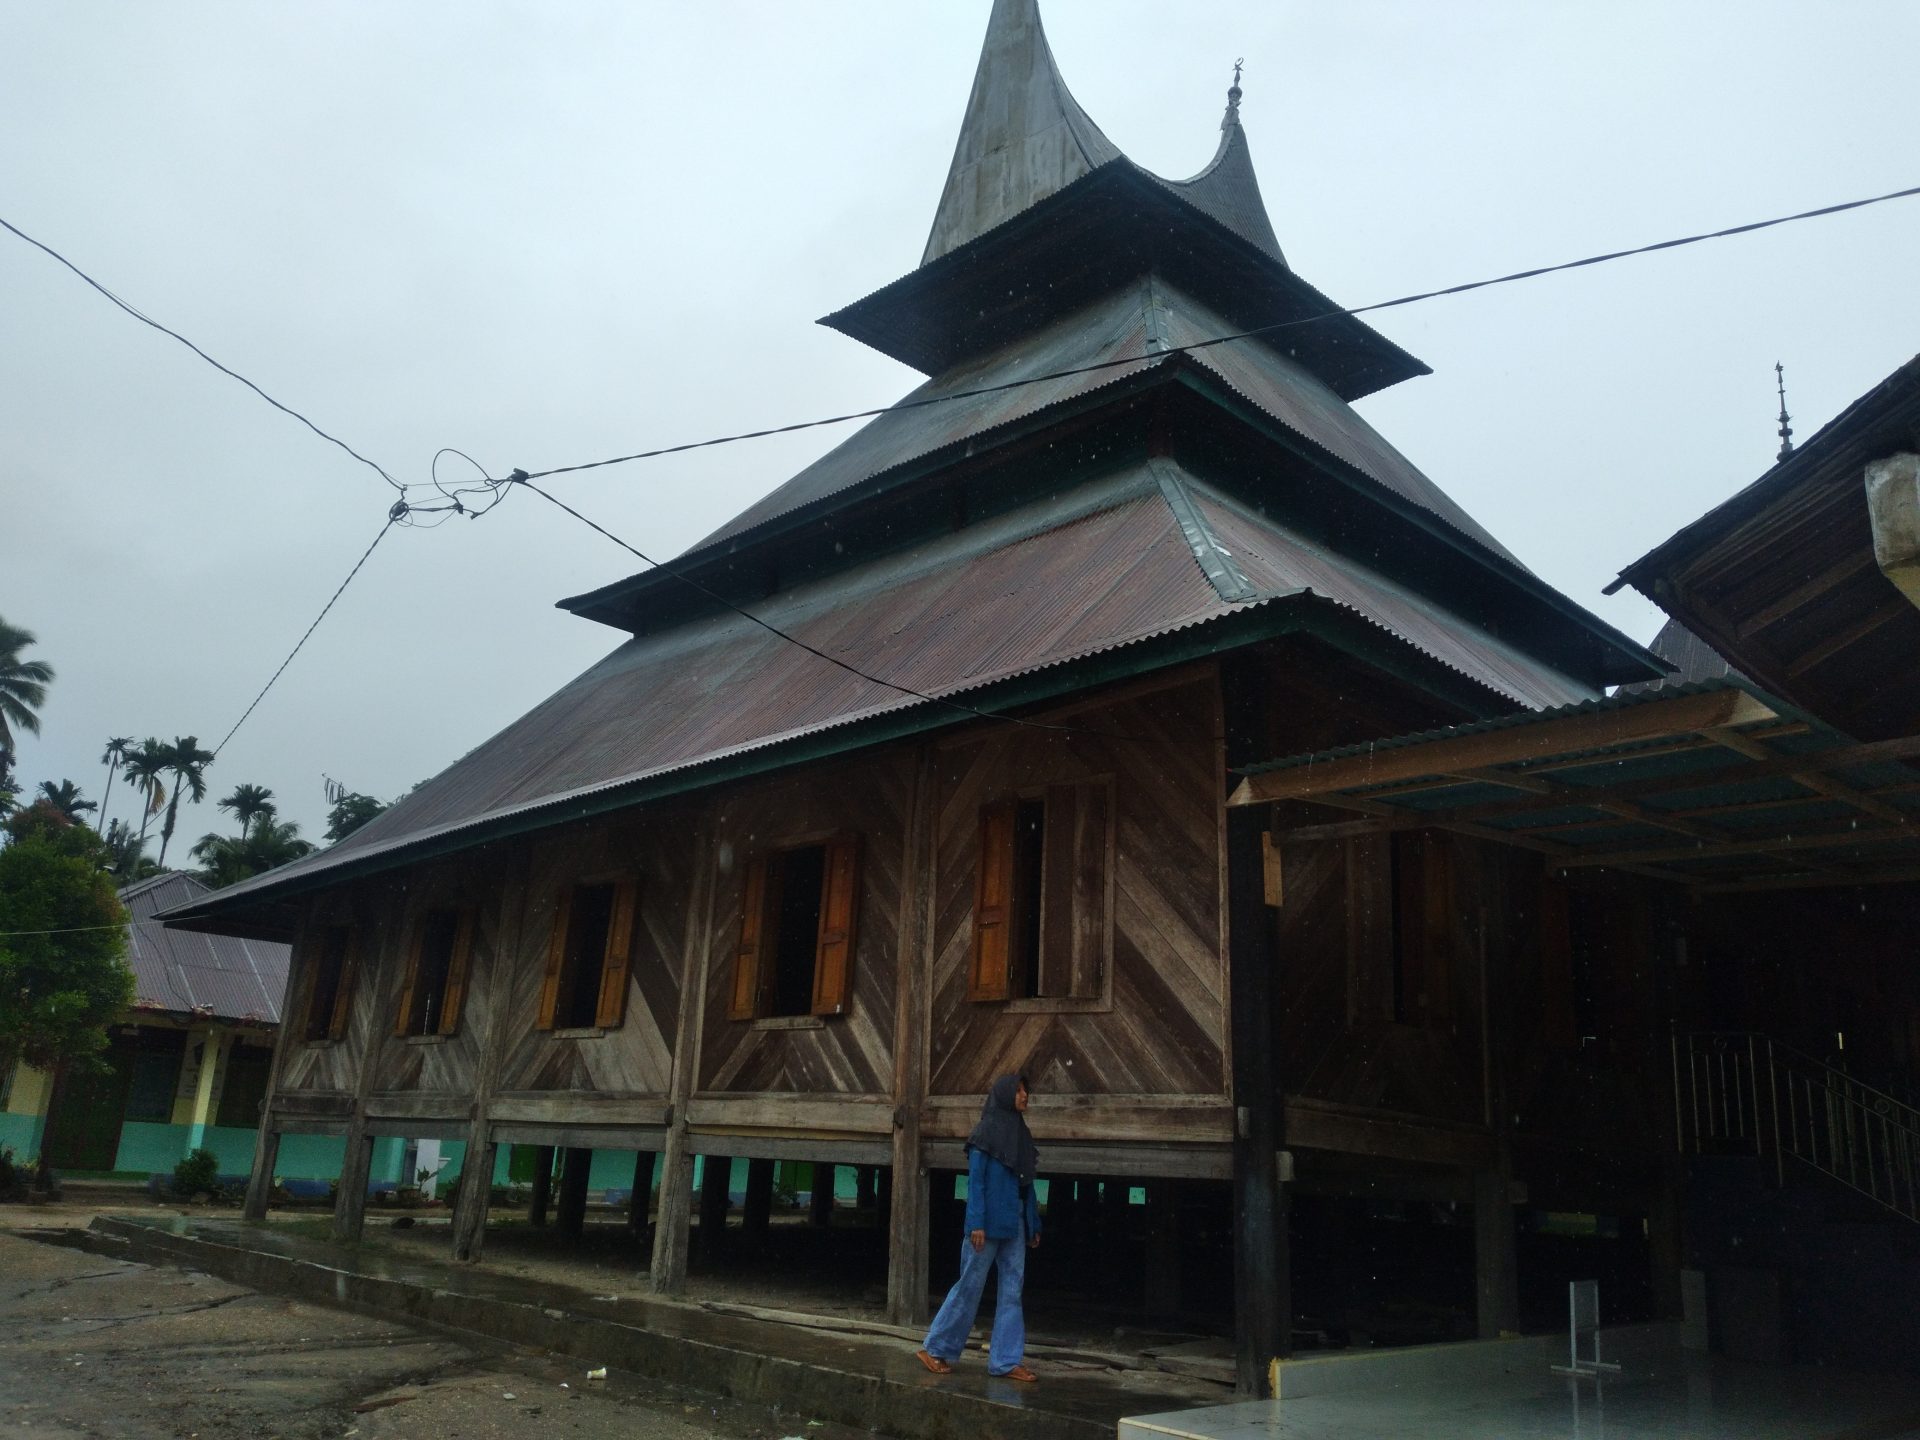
1894,875
1496,1265
542,1185
266,1151
1825,785
350,1198
1163,1248
716,1174
570,1215
1787,844
1851,635
672,1231
642,1190
473,1197
1682,715
820,1200
1262,1274
1811,589
757,1213
908,1219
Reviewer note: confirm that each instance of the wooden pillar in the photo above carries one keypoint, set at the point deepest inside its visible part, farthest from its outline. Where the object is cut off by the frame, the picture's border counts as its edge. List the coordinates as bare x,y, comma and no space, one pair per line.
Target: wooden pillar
1163,1247
672,1231
1263,1301
642,1191
266,1150
716,1173
474,1196
820,1203
1666,1239
757,1212
571,1213
863,1187
908,1194
1496,1266
350,1200
542,1185
883,1199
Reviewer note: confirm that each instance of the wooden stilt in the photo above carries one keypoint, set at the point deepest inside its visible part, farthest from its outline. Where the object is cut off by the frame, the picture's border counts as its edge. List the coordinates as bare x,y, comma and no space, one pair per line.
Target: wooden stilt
542,1185
672,1231
571,1213
350,1201
642,1190
716,1172
820,1204
266,1150
908,1194
757,1212
1495,1256
1163,1247
475,1195
863,1186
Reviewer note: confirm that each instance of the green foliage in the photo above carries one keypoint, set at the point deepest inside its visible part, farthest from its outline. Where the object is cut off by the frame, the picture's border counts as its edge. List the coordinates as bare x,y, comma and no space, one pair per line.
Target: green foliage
58,991
230,859
198,1173
249,803
23,685
127,855
350,812
188,763
65,797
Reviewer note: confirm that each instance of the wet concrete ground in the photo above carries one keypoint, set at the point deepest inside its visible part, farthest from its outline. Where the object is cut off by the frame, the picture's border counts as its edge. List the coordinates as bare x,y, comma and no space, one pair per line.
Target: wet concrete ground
102,1348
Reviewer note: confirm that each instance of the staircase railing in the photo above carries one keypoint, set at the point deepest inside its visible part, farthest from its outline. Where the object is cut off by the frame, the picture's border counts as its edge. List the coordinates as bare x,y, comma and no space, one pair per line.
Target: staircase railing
1740,1093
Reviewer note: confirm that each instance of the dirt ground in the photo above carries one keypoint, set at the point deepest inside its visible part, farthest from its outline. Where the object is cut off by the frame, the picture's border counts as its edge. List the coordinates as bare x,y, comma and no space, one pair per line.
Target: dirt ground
105,1349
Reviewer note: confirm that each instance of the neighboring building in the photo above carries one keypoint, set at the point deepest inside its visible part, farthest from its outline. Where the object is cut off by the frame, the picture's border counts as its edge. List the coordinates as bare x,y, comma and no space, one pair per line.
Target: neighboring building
186,1065
727,895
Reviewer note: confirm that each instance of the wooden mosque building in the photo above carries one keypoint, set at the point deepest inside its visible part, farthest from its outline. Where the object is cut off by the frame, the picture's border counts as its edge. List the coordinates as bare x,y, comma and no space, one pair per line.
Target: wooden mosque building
918,771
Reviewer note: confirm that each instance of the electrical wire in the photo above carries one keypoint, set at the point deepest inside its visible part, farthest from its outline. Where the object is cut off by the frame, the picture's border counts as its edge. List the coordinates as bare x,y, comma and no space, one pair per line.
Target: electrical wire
519,479
175,334
394,516
1255,333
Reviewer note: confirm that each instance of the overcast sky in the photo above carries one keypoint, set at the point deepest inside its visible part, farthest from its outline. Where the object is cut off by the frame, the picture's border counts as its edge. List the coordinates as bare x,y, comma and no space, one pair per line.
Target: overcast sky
546,233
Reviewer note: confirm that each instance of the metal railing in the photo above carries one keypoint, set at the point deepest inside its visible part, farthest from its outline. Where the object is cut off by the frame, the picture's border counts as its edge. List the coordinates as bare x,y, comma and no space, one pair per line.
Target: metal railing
1739,1093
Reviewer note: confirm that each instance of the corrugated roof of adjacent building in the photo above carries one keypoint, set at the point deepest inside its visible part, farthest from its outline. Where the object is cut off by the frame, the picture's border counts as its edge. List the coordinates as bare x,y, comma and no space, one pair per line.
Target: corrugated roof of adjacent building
189,973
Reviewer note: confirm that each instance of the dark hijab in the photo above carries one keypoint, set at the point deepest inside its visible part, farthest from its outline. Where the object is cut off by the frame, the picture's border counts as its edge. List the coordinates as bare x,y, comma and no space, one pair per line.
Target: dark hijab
1002,1131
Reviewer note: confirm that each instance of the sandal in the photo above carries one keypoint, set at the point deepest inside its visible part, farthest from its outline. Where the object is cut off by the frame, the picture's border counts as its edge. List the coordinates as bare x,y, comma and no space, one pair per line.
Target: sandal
1021,1373
933,1363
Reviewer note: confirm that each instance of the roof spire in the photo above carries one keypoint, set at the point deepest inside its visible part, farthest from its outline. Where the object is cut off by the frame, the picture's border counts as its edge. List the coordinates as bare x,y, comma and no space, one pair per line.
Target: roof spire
1786,430
1233,97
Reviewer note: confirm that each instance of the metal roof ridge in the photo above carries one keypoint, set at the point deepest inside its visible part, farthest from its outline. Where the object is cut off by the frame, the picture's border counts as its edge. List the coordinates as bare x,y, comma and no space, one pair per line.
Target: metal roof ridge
1216,562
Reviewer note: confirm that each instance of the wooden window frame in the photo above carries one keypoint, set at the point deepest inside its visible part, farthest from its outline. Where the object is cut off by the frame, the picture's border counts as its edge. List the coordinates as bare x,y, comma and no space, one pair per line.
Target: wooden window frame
312,949
752,978
616,958
992,958
453,986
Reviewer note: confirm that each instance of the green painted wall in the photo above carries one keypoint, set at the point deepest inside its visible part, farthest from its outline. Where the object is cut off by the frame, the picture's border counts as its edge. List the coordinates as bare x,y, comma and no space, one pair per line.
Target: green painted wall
310,1157
21,1134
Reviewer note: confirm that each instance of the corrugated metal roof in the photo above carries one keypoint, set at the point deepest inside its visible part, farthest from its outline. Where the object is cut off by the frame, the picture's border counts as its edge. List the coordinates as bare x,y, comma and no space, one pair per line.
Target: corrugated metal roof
1115,327
1103,566
187,972
1692,658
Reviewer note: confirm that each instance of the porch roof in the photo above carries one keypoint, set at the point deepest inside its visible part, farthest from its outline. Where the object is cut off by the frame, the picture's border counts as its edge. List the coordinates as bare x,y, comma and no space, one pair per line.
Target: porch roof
1714,785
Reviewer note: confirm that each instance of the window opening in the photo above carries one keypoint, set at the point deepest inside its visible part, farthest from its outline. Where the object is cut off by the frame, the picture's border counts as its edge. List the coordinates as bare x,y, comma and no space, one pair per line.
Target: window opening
1029,859
329,968
588,923
799,875
439,934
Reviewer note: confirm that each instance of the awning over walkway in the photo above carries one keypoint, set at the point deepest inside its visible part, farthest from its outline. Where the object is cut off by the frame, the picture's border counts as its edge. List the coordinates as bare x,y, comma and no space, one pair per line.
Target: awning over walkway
1714,786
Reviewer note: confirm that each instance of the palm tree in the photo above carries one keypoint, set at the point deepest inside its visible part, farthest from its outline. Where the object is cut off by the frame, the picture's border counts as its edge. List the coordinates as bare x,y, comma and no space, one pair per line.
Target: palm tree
23,685
232,858
127,853
187,762
143,768
65,797
248,803
115,756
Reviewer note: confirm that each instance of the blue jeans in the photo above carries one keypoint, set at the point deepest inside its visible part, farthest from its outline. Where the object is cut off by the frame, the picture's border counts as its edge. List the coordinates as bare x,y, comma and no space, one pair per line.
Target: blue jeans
947,1336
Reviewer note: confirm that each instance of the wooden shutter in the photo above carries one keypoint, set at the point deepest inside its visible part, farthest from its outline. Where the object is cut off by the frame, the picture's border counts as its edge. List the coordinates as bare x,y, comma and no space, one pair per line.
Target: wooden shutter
1073,890
611,1010
403,1021
839,914
343,993
456,992
988,974
556,960
743,1002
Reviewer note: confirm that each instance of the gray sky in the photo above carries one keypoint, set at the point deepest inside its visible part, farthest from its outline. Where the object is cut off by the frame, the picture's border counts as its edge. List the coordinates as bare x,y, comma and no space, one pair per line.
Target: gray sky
546,233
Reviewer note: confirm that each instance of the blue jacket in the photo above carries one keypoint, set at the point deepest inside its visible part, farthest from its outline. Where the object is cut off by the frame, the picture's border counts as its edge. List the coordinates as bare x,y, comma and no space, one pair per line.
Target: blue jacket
995,1199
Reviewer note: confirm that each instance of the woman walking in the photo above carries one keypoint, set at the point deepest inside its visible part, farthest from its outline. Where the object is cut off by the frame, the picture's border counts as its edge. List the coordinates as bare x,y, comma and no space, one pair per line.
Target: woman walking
1003,1223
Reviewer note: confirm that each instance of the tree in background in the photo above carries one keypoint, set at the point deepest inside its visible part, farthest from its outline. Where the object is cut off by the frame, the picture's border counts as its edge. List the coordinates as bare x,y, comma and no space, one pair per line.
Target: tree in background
66,798
268,844
59,990
350,811
187,763
143,769
23,685
248,803
127,854
118,748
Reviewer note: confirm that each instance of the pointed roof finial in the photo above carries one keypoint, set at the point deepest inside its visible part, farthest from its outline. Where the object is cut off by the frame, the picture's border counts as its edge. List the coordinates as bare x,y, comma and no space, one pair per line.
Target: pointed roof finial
1233,97
1786,430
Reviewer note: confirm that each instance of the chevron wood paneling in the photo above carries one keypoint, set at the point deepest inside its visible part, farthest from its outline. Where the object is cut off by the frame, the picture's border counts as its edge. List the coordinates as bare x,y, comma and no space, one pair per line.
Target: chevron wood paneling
1163,1032
844,1054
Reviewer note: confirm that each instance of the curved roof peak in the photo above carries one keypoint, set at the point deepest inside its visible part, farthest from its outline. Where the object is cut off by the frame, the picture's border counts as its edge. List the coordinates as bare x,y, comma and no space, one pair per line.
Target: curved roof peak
1024,137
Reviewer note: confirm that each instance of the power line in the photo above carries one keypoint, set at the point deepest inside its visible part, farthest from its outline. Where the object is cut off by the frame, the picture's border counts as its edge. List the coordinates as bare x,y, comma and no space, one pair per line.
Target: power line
393,517
518,478
1257,331
175,334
